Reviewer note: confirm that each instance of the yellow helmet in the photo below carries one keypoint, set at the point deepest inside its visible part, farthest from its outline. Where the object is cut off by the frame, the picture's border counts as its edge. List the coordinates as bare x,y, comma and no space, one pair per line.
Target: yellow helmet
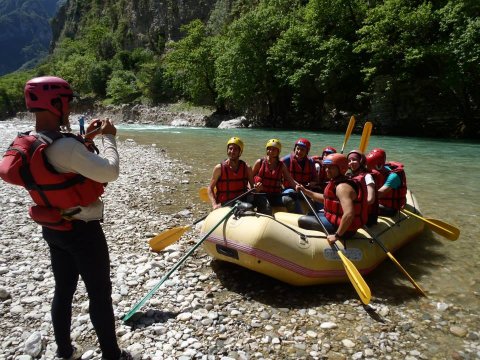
237,141
274,143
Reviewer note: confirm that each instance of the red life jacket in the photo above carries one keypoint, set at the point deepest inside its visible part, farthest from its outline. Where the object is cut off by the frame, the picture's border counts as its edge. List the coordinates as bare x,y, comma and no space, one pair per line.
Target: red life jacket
25,164
271,179
303,175
396,198
231,183
372,208
333,208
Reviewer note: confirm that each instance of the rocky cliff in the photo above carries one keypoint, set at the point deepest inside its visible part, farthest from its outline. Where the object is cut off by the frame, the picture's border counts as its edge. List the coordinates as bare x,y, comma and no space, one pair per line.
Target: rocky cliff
138,23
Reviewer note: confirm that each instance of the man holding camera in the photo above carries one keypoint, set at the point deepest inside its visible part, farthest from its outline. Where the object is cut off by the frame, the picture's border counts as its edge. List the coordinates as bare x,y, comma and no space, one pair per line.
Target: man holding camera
65,176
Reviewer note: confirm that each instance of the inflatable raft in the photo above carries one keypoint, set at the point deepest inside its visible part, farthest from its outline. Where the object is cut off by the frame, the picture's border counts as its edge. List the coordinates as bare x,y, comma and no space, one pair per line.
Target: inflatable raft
278,247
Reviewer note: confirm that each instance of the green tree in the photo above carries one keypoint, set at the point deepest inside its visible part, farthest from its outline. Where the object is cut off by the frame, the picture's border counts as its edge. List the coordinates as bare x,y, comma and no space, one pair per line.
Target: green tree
98,77
244,78
459,55
77,70
152,83
313,58
100,41
399,40
423,56
397,36
122,87
11,92
189,64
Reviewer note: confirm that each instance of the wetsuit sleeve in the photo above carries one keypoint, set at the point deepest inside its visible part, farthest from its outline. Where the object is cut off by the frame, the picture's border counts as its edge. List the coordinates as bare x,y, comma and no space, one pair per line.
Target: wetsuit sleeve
393,181
70,155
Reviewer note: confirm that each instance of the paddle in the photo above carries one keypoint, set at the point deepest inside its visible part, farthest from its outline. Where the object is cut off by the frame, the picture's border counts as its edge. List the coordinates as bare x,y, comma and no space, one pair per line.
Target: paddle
402,269
167,275
168,237
356,279
448,231
367,130
350,126
203,193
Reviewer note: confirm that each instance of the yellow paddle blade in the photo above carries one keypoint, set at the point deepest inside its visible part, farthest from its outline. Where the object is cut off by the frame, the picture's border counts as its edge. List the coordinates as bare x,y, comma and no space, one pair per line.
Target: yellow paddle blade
419,289
350,126
448,231
356,279
168,237
367,130
203,193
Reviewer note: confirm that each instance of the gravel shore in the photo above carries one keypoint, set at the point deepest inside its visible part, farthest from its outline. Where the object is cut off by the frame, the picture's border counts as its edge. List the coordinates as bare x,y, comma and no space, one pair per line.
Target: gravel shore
206,310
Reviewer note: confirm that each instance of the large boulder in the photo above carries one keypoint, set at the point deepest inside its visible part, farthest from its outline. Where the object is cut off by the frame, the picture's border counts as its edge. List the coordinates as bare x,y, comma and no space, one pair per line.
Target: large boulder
239,122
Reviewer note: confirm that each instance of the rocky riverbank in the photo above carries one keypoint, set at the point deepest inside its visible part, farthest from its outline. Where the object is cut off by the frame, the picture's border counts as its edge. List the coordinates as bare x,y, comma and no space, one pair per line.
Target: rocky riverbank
177,114
207,310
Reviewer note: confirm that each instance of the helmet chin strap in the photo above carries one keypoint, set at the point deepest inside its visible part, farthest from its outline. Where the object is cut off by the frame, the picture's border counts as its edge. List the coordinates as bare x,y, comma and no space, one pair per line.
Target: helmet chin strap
64,123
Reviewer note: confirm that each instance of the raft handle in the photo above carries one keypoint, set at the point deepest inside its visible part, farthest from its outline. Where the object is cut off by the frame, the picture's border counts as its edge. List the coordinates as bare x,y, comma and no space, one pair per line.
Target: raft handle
223,250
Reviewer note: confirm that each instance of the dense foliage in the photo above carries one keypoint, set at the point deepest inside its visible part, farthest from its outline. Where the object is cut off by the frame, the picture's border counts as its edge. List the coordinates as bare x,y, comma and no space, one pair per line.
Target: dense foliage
291,63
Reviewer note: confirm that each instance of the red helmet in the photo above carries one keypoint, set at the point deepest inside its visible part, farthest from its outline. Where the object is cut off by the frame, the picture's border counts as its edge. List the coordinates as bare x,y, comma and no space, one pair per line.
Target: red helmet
363,159
41,91
338,160
328,150
376,159
302,142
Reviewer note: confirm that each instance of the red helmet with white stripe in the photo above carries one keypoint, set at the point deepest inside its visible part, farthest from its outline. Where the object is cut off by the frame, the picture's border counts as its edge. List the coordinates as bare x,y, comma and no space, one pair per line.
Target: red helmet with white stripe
338,160
303,142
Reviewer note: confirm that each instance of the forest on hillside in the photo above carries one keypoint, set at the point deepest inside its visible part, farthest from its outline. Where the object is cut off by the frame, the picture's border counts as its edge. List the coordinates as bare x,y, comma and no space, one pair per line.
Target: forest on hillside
25,32
412,67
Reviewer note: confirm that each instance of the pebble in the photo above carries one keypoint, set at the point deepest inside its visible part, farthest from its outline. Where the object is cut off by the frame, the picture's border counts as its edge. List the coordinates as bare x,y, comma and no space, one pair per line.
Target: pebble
328,325
348,343
87,355
205,310
458,331
33,345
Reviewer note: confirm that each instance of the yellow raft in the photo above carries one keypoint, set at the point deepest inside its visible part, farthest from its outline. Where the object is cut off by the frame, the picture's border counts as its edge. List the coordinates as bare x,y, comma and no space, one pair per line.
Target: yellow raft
276,246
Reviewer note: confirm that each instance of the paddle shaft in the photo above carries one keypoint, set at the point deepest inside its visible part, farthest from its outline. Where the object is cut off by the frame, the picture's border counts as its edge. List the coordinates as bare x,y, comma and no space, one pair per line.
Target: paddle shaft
168,237
175,267
203,193
318,219
350,126
227,204
402,269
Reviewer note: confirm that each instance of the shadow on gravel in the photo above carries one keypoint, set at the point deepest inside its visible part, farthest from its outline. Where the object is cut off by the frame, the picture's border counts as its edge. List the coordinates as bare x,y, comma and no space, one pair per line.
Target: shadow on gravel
143,319
388,285
272,292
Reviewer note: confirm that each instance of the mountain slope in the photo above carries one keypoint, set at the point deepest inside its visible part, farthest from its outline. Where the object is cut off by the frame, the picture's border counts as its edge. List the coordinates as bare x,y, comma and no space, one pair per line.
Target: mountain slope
25,32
